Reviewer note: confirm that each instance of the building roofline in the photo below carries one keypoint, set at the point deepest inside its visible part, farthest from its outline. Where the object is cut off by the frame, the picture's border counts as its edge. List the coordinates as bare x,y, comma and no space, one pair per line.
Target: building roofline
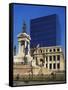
59,46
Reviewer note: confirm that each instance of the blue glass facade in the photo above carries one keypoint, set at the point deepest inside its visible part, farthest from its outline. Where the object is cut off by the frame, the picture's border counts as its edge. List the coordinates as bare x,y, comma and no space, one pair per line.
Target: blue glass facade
43,31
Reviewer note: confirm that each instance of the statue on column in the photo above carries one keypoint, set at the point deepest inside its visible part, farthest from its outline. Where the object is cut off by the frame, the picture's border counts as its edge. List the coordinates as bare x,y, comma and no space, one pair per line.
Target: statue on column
23,55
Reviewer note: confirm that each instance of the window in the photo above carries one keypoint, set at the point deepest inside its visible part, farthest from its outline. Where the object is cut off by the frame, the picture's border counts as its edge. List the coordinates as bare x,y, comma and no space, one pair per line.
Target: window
41,60
58,49
54,58
46,65
58,66
54,66
40,50
58,57
50,50
50,66
54,50
50,58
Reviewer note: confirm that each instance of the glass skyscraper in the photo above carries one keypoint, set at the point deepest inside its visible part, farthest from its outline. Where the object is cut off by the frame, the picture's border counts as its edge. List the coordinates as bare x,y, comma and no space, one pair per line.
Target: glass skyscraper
45,31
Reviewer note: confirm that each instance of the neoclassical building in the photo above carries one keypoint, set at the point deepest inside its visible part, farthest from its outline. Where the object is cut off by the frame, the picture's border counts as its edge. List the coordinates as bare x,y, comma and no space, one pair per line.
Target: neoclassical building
50,58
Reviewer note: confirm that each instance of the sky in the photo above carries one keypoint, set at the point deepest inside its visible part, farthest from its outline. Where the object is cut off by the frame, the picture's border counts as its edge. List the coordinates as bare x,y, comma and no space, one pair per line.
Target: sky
25,13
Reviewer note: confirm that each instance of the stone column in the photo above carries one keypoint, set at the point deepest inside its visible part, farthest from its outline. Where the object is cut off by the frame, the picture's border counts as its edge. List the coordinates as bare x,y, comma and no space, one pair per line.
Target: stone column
45,62
48,62
28,48
56,62
52,62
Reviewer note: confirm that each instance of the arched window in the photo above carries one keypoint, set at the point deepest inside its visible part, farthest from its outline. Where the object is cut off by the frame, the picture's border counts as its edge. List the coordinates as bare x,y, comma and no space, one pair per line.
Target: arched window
58,49
50,50
50,66
54,50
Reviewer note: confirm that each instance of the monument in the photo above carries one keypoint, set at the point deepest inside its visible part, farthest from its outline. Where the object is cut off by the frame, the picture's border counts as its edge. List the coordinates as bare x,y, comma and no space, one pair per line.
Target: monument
23,55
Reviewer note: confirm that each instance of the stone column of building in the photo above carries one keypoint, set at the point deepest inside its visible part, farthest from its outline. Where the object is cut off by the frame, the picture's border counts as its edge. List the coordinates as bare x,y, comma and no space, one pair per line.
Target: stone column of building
45,62
52,62
56,62
48,62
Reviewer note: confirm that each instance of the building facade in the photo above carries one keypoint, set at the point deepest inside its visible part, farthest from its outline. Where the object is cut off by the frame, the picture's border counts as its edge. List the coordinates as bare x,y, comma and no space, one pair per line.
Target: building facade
45,31
51,59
